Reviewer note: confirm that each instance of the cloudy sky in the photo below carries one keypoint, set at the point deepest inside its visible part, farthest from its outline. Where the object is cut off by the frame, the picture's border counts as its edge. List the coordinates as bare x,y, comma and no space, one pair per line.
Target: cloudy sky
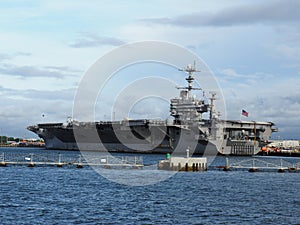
252,47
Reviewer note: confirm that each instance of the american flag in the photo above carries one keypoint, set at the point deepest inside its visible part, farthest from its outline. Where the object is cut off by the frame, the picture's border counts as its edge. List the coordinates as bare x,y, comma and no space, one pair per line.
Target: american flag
245,113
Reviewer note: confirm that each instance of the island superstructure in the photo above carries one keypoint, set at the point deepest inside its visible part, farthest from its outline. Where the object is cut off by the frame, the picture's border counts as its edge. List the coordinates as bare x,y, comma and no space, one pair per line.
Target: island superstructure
187,129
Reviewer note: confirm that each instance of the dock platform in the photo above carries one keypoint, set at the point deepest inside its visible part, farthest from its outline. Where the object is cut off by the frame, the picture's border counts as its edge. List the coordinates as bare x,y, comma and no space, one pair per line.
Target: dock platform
183,164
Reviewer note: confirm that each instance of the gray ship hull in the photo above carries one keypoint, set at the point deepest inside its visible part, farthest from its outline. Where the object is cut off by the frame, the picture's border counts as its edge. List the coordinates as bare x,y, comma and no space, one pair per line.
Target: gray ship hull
121,137
144,136
56,144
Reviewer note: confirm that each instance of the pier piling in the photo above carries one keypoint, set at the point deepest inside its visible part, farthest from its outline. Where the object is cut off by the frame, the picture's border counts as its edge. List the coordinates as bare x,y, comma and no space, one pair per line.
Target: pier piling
31,164
2,163
226,168
59,164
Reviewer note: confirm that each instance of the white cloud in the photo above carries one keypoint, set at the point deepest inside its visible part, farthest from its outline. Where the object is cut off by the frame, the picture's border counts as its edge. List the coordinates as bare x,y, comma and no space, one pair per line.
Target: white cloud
286,51
231,73
32,71
17,113
93,40
270,12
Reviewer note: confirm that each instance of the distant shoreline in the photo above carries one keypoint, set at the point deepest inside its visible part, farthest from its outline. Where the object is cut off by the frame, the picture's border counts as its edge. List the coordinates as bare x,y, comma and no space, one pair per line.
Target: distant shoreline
23,145
282,154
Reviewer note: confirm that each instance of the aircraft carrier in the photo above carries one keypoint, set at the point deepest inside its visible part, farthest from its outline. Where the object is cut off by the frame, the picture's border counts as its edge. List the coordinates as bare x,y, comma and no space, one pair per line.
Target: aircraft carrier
187,130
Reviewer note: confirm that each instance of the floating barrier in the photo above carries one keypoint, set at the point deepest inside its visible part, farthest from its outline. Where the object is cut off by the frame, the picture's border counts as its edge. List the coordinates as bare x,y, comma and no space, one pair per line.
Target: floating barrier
256,165
59,160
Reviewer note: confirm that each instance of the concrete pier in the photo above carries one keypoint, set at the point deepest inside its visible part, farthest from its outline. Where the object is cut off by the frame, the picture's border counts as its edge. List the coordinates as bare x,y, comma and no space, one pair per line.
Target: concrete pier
183,164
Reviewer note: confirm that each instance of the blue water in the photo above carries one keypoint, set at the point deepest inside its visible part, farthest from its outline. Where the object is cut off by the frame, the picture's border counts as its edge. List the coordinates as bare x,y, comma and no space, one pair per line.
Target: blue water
50,195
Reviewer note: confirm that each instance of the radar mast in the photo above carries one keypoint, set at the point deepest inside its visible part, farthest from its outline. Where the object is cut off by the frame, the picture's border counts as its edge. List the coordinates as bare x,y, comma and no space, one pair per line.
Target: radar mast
190,69
187,108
